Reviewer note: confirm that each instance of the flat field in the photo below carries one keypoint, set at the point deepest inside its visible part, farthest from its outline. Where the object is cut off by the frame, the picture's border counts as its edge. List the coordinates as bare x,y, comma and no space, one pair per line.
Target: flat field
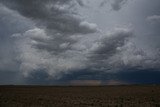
80,96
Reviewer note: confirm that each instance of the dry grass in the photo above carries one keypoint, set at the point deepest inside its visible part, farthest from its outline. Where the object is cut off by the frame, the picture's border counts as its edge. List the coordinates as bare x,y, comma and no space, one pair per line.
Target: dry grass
100,96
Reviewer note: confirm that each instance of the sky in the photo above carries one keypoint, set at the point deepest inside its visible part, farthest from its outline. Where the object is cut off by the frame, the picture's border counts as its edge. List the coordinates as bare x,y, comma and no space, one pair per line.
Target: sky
79,42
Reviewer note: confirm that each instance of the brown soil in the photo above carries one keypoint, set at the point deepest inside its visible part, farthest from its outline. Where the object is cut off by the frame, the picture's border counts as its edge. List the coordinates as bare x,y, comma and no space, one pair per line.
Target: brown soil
68,96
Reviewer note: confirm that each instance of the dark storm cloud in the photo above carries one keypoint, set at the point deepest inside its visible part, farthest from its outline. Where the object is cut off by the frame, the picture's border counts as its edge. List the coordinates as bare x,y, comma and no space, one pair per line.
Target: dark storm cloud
137,76
109,47
117,4
103,3
86,76
154,22
80,2
154,19
11,22
49,42
55,15
116,51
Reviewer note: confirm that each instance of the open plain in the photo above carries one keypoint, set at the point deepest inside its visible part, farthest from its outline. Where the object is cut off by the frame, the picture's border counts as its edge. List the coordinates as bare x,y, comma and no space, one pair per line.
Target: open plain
80,96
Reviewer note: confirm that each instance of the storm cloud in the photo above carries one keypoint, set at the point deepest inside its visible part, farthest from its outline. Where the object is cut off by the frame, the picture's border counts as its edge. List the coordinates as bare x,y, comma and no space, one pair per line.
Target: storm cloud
117,4
57,38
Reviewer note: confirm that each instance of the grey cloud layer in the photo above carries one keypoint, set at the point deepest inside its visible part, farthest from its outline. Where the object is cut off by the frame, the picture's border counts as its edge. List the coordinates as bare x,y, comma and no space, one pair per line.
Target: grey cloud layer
55,14
50,47
11,22
153,19
56,41
115,4
116,51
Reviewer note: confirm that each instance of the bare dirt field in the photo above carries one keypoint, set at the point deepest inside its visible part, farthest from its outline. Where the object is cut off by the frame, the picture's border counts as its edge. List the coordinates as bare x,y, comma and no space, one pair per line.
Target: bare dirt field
80,96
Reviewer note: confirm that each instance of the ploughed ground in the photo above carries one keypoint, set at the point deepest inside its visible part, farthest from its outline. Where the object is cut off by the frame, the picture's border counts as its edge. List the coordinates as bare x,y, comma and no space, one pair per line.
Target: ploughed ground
80,96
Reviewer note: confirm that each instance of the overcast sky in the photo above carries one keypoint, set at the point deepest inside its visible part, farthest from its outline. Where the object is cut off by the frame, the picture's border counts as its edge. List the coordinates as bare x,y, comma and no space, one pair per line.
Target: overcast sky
75,42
